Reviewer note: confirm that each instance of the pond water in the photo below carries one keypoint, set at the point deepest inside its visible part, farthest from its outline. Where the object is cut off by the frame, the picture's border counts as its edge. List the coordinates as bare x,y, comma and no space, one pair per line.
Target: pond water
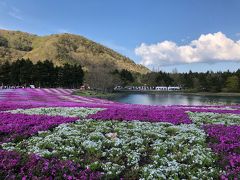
174,99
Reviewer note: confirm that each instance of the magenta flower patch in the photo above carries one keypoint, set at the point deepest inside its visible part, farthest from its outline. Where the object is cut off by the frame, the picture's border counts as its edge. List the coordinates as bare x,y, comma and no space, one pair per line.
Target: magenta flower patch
174,116
18,166
19,126
225,142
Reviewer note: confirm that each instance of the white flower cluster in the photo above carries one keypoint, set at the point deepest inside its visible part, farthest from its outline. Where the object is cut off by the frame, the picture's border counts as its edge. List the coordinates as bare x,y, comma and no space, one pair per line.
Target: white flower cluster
211,108
128,149
58,111
214,118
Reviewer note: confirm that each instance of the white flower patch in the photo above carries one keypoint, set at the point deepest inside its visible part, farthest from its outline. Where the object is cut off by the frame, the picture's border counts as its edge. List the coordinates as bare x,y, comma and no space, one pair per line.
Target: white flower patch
214,118
112,169
128,149
59,111
211,108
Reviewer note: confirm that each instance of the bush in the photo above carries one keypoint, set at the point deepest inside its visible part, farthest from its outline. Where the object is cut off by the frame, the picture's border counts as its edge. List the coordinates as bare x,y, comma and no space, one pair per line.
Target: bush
3,41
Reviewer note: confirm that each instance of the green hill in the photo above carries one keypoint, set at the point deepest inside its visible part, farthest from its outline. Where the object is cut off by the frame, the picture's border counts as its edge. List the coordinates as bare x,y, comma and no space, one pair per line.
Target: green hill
61,49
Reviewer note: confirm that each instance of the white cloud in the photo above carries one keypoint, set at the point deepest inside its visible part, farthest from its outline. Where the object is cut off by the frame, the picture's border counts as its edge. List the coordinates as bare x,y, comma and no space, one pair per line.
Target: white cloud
15,13
208,48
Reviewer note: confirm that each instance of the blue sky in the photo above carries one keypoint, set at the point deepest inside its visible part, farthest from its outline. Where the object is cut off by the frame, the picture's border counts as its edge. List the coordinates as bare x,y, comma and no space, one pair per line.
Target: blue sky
144,30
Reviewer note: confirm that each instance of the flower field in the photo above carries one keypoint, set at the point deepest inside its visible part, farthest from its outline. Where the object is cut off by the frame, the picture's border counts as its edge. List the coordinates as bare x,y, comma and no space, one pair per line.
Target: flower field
51,134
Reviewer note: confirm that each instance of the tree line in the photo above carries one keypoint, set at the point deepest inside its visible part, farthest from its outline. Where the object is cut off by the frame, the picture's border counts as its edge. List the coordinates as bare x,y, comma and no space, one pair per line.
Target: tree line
42,74
101,79
196,81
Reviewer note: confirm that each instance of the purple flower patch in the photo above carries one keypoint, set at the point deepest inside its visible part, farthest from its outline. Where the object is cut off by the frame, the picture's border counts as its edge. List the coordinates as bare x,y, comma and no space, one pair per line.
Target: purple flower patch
174,116
18,166
14,127
225,142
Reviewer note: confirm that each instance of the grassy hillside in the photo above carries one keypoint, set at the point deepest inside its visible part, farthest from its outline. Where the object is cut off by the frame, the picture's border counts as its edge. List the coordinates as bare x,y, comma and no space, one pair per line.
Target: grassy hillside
63,48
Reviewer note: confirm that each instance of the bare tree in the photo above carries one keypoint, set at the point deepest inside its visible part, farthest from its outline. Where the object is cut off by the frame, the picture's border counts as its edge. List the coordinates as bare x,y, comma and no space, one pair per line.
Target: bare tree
99,78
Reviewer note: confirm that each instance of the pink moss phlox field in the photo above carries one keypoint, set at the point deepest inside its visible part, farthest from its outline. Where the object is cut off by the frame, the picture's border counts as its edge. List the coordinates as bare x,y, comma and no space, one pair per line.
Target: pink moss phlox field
19,126
30,98
225,142
18,166
174,116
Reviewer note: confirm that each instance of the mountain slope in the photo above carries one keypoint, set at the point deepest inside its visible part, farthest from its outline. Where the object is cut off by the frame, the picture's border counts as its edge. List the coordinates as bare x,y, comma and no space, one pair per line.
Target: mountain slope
63,48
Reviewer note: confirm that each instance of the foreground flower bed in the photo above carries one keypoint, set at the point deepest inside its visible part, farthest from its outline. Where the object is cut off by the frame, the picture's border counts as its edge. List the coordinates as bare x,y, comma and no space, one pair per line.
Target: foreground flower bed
14,165
225,141
51,134
130,150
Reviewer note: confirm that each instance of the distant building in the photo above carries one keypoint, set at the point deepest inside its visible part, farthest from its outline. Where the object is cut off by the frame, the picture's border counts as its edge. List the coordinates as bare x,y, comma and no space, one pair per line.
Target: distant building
161,88
148,88
118,88
174,88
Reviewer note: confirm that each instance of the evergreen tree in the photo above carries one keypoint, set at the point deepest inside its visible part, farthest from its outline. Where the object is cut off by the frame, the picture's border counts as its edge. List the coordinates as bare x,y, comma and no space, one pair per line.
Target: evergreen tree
5,70
126,76
42,74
